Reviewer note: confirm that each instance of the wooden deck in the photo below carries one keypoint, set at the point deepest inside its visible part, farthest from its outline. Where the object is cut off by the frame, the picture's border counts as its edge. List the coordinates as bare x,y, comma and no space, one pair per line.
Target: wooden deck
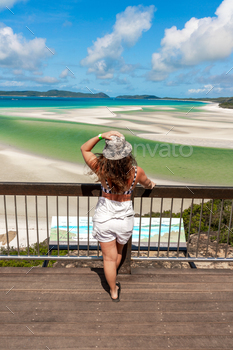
61,308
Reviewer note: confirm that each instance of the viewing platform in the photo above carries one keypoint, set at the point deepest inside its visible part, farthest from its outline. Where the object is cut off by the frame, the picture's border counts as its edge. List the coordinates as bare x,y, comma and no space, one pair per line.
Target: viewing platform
70,308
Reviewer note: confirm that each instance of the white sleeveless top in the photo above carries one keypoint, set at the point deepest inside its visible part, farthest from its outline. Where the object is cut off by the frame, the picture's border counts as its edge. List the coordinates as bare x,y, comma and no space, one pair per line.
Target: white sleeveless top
107,209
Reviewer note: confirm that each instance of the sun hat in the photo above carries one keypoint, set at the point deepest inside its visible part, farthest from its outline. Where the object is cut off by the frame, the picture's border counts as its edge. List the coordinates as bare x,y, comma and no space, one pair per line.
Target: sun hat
116,148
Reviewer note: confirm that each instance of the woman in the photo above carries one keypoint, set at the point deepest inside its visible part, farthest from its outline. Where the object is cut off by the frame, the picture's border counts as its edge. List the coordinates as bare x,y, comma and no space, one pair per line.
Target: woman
113,220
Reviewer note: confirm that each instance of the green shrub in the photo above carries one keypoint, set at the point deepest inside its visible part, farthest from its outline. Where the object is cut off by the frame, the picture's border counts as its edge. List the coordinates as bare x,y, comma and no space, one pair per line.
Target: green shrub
206,211
43,249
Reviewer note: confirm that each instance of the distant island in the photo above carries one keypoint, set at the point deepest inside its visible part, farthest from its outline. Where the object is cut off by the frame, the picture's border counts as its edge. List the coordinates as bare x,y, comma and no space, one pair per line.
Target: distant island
227,103
139,97
53,93
224,102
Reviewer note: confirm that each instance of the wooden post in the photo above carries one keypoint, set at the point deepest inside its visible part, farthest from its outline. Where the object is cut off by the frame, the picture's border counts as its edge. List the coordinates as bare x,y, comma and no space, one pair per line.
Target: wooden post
125,265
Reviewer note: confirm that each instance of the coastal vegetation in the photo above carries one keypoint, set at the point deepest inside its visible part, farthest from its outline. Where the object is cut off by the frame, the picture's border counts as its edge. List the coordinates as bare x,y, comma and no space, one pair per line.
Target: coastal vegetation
225,234
33,250
53,93
227,103
139,97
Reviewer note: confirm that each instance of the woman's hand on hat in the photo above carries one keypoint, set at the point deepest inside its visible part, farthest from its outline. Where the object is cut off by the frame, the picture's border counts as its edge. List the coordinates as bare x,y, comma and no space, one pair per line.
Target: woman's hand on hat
107,135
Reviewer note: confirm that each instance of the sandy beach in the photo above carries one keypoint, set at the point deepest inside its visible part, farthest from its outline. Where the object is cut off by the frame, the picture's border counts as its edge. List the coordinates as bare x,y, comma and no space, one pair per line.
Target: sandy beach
211,127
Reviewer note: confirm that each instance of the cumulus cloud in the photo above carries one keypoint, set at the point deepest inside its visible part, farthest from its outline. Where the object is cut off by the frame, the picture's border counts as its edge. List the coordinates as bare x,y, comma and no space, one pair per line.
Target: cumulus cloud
65,73
9,3
11,83
201,40
225,80
105,54
206,89
18,53
18,71
47,80
121,81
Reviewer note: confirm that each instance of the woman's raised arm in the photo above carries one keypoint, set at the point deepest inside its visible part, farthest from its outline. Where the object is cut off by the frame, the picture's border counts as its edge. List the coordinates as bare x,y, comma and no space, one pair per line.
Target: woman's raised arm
144,180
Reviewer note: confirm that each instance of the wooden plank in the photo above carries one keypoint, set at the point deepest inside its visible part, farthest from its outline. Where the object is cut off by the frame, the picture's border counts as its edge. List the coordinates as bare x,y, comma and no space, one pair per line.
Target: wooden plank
123,348
138,348
14,271
148,279
123,328
127,295
117,342
103,306
129,316
189,271
98,287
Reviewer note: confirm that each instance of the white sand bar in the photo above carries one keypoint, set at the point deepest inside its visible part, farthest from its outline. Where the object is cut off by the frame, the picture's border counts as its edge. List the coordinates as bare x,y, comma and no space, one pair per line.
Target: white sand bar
211,127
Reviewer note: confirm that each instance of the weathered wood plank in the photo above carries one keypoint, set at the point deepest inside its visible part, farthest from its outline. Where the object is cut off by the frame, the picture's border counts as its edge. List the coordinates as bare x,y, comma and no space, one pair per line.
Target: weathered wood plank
123,328
123,348
103,306
149,279
163,271
93,271
208,287
117,342
130,316
127,295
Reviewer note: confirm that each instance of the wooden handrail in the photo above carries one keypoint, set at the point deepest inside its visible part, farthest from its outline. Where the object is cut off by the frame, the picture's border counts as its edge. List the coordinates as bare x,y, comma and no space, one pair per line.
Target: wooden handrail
94,190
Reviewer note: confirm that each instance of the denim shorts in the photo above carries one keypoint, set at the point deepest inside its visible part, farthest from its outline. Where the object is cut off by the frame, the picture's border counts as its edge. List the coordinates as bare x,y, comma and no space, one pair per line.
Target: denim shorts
114,228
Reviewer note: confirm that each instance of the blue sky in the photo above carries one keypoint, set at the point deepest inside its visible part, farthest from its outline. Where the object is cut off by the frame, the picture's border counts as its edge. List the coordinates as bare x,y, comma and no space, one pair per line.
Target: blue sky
175,49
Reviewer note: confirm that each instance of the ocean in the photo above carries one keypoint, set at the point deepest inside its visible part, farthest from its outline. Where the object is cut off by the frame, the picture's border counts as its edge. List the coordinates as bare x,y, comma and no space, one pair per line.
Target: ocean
71,103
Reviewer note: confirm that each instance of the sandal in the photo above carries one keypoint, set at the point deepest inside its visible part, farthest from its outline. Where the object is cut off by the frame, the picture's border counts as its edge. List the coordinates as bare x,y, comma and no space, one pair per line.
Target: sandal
119,291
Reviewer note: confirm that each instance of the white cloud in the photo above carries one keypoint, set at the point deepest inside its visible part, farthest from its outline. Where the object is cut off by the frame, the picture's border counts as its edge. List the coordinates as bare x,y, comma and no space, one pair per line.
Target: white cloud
18,71
18,53
47,80
67,24
201,40
225,80
37,73
65,73
205,89
105,54
9,3
12,83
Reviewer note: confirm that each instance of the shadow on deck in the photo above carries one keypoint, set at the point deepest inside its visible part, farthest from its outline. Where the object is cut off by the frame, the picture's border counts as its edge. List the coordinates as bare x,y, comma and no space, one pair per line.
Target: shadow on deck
70,308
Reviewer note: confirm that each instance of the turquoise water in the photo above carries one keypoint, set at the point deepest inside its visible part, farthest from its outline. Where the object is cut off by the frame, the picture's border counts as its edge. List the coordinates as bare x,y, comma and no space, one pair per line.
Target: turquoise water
70,103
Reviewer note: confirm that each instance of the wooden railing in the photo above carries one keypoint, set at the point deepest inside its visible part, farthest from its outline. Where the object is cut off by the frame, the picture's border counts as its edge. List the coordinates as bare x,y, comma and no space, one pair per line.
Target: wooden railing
21,193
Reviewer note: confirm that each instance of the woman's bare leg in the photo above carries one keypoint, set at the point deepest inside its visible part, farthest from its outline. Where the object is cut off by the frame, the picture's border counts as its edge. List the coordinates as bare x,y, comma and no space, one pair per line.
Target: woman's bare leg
110,257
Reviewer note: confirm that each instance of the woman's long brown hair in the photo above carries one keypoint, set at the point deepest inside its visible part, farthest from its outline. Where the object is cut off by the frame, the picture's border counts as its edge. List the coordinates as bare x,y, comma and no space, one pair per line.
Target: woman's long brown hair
118,171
